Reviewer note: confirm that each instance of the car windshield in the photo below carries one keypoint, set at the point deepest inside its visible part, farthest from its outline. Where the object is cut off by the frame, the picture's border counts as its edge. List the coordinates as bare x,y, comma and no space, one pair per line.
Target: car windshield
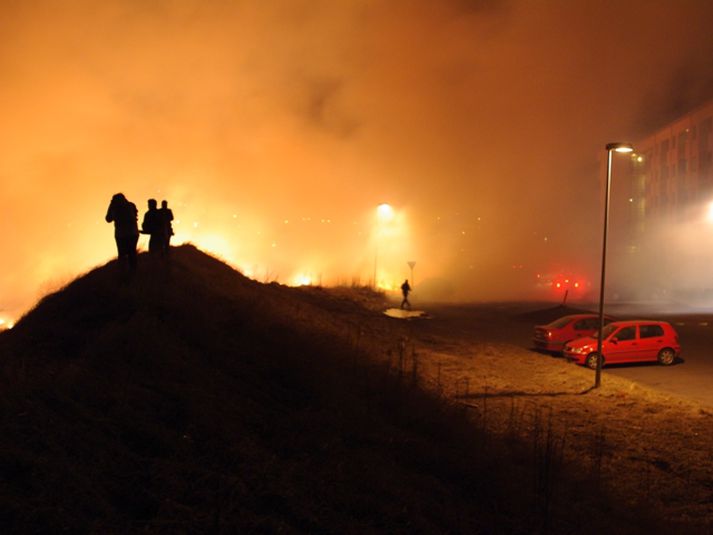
606,331
558,324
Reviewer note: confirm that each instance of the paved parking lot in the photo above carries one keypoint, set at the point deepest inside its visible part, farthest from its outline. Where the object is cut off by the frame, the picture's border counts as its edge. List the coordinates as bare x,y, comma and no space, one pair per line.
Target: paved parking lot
691,377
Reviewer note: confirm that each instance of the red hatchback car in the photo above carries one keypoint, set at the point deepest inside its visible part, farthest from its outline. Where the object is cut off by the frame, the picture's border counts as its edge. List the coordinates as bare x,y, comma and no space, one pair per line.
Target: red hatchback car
628,341
554,336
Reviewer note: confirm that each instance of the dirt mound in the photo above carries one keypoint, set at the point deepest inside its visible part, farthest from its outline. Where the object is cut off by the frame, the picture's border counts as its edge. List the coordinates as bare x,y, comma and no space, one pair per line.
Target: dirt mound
193,399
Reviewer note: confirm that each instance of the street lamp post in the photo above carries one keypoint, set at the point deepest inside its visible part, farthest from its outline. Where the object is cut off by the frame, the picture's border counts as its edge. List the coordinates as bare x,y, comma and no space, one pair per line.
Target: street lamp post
384,214
610,147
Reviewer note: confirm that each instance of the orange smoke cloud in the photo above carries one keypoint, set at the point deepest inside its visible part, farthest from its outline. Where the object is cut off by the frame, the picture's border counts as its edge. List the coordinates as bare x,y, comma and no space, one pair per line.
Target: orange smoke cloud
482,121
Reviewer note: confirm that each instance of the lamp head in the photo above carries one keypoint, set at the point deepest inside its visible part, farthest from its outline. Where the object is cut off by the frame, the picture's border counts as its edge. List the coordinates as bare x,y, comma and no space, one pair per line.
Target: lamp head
620,147
385,212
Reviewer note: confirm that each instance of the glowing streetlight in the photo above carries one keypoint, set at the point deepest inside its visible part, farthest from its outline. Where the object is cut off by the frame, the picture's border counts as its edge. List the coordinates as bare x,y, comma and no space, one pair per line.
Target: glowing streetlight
610,147
384,214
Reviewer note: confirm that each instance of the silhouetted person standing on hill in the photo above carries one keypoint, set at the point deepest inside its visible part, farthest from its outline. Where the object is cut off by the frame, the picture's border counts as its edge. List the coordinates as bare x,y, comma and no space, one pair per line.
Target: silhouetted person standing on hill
166,218
405,289
154,226
124,215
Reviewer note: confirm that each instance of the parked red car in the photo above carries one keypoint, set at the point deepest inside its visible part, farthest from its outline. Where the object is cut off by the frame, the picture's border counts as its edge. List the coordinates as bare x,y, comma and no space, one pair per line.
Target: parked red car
628,341
554,336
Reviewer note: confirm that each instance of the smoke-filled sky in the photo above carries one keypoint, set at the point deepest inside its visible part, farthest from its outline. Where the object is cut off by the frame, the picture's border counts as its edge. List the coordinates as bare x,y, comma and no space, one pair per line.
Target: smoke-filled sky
274,129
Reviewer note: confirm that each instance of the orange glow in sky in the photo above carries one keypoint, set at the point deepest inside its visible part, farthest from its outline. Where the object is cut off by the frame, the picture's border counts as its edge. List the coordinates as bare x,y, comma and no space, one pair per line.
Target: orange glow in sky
275,129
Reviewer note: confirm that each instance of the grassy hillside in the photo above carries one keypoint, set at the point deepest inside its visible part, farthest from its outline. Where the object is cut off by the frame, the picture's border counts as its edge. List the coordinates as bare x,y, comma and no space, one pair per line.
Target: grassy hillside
192,399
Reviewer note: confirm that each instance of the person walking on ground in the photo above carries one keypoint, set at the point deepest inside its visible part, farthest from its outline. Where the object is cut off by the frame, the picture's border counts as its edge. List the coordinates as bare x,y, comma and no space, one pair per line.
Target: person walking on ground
124,215
154,227
166,215
405,289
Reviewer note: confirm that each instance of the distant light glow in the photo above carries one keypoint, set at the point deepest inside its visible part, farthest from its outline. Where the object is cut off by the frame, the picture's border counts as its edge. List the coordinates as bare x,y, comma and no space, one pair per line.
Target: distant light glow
709,213
387,286
385,212
215,244
620,147
302,280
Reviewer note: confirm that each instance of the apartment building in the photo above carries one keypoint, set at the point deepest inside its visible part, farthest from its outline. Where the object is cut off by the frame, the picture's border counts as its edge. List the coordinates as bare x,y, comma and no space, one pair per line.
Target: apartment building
661,197
671,174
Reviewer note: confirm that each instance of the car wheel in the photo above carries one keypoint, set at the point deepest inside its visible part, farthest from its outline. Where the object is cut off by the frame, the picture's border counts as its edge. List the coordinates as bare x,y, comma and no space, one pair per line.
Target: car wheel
666,356
591,361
